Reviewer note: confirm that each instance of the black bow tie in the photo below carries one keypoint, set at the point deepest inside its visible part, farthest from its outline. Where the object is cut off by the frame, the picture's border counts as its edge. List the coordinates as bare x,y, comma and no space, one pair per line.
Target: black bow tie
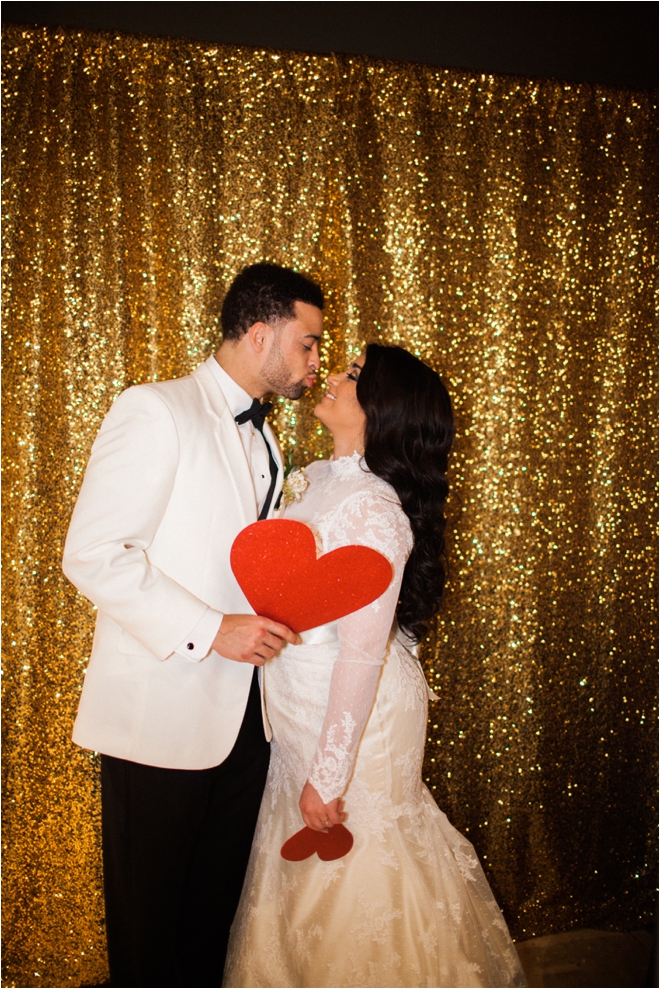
256,413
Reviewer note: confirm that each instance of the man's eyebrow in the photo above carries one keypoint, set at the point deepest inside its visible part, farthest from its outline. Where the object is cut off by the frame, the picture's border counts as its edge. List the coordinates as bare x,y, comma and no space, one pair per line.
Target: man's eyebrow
313,336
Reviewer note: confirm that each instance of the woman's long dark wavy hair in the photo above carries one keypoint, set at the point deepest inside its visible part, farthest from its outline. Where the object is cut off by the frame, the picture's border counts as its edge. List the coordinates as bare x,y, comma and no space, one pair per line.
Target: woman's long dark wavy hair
408,435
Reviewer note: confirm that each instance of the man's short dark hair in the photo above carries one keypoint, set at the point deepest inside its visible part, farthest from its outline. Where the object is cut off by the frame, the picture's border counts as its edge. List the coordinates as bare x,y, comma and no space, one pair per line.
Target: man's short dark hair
265,293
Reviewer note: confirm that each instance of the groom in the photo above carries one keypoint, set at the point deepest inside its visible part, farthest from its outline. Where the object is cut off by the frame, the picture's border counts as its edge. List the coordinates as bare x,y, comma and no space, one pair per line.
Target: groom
171,696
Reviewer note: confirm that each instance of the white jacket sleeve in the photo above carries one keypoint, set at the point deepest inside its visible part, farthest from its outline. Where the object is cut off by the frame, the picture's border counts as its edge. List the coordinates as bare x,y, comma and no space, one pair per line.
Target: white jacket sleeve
363,638
124,494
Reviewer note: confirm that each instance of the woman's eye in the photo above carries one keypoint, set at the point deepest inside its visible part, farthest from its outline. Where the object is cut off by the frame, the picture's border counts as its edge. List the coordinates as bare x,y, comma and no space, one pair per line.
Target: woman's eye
351,375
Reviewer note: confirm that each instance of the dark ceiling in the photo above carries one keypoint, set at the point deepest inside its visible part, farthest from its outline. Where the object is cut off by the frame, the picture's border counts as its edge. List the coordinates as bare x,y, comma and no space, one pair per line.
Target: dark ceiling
611,43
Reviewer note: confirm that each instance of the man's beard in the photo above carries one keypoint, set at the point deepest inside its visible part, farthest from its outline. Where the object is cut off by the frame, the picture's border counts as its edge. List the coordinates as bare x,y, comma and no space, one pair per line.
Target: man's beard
278,375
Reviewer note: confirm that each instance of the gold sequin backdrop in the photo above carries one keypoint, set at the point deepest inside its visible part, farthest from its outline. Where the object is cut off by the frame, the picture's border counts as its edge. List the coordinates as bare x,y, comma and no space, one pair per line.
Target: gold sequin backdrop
502,229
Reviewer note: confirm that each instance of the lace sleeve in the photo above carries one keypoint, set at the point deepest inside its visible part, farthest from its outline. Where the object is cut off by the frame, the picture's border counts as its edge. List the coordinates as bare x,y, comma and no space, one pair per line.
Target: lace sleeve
381,524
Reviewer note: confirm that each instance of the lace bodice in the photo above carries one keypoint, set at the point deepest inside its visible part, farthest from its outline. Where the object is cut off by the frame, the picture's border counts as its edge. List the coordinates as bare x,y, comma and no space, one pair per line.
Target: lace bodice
346,504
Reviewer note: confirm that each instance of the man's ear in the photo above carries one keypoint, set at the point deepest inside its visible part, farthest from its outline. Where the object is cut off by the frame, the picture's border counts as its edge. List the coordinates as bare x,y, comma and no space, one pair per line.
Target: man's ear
258,335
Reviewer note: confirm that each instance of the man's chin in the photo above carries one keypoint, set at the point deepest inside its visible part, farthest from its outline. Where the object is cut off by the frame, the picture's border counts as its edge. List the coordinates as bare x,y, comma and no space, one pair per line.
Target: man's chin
294,391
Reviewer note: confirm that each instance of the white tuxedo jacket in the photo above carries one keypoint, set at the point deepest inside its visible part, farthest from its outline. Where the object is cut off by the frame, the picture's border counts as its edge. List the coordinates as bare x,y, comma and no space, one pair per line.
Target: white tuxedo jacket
167,489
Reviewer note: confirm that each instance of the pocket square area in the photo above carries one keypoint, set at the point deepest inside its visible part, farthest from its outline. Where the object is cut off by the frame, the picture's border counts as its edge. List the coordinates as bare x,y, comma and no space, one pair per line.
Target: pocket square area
276,565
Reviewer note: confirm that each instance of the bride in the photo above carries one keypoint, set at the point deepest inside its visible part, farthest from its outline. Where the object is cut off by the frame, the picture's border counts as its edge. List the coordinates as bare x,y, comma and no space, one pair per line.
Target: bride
409,905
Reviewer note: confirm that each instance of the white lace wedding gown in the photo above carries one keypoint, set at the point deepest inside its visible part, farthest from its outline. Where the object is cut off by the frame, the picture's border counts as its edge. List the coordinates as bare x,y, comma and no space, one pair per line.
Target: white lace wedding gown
409,905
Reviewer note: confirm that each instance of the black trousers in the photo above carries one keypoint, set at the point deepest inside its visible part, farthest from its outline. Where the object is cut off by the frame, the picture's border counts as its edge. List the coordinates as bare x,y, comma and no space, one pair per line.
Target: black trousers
176,844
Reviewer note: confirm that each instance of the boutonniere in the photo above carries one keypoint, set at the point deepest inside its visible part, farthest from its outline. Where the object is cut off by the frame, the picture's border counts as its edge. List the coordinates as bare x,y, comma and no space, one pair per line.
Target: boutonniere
295,484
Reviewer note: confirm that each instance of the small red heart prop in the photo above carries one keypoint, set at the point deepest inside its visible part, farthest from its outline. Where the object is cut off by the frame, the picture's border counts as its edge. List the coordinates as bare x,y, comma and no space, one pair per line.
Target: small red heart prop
276,565
328,845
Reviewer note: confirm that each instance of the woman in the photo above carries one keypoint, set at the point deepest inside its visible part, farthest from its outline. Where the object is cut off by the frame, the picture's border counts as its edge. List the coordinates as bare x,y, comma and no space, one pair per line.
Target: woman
409,905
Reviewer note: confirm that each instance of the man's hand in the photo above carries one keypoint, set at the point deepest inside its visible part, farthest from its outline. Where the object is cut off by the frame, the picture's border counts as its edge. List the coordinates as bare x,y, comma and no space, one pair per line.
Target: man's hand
251,639
317,815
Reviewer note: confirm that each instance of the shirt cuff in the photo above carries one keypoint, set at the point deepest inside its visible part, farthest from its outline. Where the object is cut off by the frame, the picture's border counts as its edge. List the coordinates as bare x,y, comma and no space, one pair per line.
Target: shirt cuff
197,645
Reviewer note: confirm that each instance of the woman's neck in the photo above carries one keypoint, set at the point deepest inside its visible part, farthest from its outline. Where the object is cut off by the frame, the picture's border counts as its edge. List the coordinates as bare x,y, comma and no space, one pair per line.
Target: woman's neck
346,446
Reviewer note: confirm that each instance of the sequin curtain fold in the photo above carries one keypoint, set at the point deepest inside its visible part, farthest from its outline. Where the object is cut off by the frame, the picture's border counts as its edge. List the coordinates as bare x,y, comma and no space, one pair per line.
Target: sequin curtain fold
501,228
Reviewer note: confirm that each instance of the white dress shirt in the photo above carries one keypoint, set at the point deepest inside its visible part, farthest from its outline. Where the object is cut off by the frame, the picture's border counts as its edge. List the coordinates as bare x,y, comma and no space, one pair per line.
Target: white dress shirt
197,644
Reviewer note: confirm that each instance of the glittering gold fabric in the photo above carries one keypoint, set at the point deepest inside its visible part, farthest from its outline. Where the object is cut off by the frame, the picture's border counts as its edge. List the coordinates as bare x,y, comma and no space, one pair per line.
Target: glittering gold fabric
502,229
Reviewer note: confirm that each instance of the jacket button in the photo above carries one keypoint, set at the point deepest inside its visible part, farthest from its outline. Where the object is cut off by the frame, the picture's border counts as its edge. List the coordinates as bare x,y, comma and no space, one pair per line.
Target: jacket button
190,645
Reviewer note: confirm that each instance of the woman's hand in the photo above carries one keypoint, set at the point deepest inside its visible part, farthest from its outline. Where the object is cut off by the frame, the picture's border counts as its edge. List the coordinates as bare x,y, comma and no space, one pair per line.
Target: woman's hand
317,815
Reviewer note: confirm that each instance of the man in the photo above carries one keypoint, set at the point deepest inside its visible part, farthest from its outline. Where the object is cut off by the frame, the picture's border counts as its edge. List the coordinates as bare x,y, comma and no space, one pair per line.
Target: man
171,696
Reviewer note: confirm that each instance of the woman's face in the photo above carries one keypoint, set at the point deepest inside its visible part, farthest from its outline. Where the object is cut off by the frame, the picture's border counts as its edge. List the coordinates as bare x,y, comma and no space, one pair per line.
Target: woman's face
339,408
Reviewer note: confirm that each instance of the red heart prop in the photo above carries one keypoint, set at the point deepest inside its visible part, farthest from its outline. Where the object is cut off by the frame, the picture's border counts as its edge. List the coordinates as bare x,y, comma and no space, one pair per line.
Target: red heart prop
328,845
276,565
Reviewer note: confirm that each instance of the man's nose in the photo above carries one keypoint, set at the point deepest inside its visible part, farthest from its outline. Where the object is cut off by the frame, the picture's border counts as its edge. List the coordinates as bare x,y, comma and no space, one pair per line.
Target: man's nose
314,358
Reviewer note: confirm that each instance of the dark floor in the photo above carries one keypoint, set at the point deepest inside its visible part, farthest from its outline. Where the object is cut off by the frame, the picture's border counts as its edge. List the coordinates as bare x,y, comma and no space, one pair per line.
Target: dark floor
589,958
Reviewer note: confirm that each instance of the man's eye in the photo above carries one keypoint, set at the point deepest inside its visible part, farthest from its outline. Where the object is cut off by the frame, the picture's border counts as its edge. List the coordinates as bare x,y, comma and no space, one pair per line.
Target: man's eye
305,347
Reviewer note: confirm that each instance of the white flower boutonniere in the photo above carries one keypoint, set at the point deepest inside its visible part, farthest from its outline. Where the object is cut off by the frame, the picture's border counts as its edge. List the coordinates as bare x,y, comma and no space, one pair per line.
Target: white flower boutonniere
294,487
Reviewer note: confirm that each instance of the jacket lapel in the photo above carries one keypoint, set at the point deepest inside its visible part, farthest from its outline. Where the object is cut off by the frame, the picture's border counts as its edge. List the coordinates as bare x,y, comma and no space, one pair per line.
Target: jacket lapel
273,442
230,446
